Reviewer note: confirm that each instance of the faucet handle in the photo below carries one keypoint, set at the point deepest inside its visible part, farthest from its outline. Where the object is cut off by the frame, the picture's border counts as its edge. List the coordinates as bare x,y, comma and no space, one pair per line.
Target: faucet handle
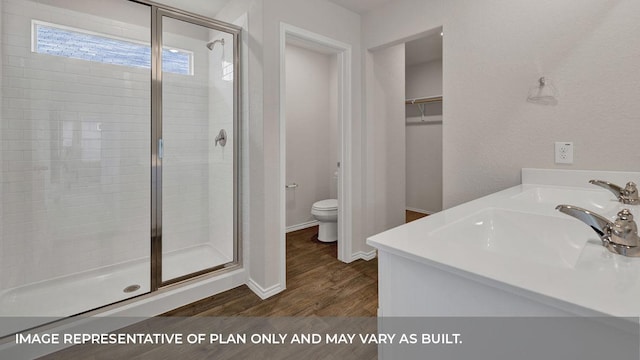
624,230
619,237
601,225
630,194
627,195
625,214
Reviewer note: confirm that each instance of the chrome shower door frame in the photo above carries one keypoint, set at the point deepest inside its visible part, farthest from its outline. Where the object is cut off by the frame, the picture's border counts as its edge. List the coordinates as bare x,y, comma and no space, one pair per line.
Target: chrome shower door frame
158,12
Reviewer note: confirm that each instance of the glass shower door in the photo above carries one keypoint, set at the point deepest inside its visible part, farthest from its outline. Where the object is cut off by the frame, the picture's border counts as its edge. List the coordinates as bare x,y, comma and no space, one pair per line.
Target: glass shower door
197,147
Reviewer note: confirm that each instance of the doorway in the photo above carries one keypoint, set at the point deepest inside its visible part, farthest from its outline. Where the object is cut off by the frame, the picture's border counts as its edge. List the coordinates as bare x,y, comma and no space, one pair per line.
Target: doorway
301,38
423,127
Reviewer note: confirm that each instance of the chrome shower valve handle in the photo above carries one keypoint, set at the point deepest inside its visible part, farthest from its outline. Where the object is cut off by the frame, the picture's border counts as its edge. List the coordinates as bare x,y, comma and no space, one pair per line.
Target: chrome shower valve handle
221,138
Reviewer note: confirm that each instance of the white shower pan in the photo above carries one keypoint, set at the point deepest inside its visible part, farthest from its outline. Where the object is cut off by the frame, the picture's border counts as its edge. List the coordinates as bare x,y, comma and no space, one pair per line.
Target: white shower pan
64,296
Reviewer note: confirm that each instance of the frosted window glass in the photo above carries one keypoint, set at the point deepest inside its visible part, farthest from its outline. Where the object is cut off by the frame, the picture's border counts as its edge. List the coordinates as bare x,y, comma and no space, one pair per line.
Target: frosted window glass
68,43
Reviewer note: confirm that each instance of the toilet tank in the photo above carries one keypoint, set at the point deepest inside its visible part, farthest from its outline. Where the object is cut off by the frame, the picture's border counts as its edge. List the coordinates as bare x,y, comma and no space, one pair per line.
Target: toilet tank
333,188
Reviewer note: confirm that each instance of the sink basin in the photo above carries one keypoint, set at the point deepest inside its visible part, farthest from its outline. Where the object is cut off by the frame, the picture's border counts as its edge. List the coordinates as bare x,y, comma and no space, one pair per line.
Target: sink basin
511,254
547,240
596,200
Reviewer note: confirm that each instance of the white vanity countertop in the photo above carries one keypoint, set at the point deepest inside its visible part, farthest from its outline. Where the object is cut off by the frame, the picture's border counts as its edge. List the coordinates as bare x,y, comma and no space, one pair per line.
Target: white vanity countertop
516,240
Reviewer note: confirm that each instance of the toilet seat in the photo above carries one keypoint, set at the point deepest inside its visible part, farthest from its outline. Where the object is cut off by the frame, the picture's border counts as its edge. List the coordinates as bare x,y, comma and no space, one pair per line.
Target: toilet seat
325,205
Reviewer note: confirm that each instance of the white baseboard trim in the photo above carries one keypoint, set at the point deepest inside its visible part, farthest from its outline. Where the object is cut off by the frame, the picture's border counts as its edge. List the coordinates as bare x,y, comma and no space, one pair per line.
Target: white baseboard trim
262,292
421,211
362,255
305,225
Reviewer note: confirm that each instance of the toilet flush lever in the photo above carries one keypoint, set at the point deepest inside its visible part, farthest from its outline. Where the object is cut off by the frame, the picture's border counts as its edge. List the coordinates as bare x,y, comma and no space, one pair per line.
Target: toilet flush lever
291,186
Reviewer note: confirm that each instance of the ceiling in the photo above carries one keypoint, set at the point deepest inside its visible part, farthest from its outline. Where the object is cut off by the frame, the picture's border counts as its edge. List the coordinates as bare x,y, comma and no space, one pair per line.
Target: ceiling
423,49
207,8
418,51
360,6
211,7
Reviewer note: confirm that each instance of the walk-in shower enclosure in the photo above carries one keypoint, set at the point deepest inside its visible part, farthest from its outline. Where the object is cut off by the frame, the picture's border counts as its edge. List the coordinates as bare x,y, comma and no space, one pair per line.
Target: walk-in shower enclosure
119,147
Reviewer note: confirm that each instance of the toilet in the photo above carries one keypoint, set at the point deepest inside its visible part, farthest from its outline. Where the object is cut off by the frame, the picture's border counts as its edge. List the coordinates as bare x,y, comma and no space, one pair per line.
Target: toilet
326,212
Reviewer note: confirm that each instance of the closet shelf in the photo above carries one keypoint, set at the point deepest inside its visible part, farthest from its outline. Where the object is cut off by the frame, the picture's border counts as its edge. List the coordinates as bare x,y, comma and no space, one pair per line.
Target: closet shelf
424,100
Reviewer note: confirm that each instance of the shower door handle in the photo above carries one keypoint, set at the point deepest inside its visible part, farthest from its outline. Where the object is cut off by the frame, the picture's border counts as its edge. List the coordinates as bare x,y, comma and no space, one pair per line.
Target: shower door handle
160,148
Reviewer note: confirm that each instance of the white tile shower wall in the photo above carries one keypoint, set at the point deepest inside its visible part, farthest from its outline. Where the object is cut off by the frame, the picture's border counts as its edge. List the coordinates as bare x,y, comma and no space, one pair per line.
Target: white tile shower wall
75,144
198,174
185,130
74,197
220,158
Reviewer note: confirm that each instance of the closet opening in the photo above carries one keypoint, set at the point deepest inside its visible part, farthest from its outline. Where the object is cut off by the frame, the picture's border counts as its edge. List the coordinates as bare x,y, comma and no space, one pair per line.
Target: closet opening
423,127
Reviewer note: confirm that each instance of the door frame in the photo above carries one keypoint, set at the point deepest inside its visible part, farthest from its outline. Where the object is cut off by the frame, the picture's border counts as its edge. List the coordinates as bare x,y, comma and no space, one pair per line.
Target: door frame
158,12
344,56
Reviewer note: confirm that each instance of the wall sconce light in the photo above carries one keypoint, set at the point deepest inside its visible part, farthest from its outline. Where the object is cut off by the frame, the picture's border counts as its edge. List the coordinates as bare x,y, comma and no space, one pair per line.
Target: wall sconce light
544,93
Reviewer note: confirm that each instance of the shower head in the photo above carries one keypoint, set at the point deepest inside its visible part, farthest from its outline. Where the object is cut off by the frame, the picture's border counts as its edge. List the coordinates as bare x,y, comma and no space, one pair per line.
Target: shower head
211,44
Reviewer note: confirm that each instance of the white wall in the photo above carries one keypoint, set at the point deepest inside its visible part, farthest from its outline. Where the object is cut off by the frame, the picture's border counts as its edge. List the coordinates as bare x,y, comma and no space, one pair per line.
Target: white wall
424,80
424,139
334,131
321,17
253,167
385,207
309,139
494,51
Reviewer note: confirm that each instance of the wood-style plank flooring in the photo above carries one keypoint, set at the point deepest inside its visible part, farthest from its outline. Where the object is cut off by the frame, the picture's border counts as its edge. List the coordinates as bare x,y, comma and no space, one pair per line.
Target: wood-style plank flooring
413,216
317,285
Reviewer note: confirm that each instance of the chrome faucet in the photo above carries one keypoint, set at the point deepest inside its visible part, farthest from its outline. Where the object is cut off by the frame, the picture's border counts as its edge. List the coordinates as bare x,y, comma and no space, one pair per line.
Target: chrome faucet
620,237
627,195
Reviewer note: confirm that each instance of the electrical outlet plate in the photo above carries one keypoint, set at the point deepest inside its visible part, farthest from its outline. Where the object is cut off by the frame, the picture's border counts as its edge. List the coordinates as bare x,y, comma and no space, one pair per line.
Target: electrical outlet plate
564,152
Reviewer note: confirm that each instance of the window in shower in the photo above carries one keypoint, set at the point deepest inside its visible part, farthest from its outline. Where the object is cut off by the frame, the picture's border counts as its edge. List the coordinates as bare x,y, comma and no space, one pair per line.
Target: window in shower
58,40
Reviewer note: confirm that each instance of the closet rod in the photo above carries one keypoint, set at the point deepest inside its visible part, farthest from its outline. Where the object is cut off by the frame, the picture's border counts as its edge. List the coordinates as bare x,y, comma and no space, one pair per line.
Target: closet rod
432,119
423,100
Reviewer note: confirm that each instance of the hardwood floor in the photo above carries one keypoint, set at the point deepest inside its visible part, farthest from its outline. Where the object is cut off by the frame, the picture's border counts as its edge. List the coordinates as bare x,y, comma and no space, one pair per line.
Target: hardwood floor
317,285
413,216
320,290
